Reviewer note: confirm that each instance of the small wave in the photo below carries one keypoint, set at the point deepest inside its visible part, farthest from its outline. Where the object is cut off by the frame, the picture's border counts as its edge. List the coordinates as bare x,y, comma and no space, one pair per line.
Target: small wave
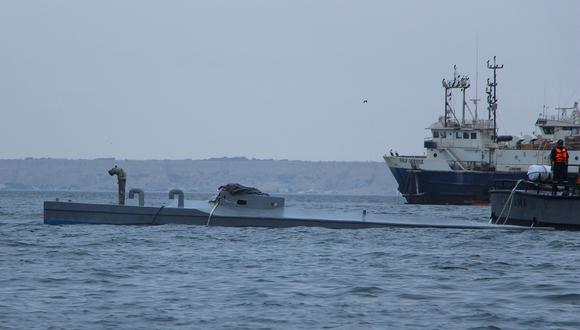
53,280
107,273
569,298
545,265
95,281
366,291
161,318
414,296
558,244
14,243
448,266
79,252
375,254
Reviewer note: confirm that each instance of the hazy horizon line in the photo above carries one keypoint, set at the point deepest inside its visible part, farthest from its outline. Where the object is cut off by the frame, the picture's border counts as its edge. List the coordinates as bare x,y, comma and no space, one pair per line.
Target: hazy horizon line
224,158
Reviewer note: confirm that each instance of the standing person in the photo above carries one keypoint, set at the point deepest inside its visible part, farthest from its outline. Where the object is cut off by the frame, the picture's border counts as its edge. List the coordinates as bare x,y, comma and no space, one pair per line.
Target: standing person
559,160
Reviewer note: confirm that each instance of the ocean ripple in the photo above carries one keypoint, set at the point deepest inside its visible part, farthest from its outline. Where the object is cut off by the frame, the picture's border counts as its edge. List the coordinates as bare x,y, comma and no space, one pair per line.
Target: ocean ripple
184,277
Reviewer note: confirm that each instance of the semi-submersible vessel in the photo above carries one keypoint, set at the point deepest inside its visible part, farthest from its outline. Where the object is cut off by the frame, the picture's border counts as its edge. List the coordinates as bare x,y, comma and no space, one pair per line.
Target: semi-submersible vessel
464,154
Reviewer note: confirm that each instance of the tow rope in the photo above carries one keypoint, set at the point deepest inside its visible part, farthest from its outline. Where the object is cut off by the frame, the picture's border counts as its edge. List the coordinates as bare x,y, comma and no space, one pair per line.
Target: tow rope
217,203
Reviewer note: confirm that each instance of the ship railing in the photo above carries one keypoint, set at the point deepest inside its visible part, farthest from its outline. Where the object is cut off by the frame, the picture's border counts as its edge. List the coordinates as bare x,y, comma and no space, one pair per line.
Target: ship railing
524,185
414,156
480,124
510,184
566,188
477,124
469,165
410,157
404,156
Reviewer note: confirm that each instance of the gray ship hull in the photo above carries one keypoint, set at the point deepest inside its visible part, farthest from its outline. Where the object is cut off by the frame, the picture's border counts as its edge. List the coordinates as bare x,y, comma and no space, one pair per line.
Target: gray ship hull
535,209
448,187
62,213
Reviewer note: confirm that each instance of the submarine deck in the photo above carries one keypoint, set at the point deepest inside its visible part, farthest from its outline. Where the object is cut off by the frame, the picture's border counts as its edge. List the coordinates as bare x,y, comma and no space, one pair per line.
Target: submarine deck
59,213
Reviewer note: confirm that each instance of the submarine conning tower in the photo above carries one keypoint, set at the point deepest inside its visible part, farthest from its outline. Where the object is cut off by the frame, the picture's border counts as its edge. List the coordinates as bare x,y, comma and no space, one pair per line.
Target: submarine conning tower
236,195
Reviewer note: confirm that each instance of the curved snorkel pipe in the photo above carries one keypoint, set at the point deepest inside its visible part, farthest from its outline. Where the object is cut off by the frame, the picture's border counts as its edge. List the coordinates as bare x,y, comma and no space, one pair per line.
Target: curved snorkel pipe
139,192
121,181
180,197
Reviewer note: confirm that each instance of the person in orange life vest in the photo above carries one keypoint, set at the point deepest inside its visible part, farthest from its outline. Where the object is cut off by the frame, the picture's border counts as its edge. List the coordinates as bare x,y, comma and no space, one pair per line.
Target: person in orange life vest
559,159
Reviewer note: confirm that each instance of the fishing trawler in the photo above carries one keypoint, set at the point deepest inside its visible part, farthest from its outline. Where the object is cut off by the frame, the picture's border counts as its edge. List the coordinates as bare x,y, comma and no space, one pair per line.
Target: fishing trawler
464,154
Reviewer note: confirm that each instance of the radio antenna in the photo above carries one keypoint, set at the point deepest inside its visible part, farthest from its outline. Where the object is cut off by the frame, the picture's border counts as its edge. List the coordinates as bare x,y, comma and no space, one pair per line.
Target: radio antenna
476,99
492,95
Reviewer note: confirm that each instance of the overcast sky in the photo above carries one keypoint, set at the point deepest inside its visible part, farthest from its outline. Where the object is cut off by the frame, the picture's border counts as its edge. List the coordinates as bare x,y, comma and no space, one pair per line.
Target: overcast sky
267,79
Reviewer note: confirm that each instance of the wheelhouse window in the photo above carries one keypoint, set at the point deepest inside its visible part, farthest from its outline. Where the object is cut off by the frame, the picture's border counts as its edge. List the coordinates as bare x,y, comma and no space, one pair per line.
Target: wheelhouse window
443,135
458,135
548,130
465,135
435,134
474,135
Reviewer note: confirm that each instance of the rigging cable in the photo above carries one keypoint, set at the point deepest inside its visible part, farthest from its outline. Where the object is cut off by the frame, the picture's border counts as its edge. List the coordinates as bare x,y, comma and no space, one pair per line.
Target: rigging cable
156,214
509,200
217,203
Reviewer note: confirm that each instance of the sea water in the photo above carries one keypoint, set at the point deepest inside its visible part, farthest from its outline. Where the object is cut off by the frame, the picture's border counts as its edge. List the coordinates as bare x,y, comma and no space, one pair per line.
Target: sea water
196,277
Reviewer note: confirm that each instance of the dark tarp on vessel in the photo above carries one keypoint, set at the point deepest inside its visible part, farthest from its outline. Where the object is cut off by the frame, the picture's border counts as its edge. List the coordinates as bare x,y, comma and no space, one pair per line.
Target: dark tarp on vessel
236,188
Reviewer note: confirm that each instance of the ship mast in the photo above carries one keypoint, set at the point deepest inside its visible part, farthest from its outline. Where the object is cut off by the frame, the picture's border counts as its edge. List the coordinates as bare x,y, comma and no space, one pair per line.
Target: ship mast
492,96
476,99
458,82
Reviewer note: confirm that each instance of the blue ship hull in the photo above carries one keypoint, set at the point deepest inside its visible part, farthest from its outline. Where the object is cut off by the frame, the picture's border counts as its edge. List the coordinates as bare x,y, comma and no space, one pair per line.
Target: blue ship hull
448,187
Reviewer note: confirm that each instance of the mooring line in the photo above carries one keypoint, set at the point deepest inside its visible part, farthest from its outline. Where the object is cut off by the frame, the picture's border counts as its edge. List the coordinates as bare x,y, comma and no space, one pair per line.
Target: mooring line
217,203
509,200
156,214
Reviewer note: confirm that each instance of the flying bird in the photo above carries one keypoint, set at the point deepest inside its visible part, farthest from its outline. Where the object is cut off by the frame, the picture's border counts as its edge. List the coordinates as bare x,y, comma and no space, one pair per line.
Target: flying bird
365,101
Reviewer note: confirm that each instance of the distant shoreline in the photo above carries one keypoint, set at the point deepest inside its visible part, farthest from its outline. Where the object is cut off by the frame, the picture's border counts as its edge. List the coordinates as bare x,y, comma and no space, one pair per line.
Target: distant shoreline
211,159
185,192
288,177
